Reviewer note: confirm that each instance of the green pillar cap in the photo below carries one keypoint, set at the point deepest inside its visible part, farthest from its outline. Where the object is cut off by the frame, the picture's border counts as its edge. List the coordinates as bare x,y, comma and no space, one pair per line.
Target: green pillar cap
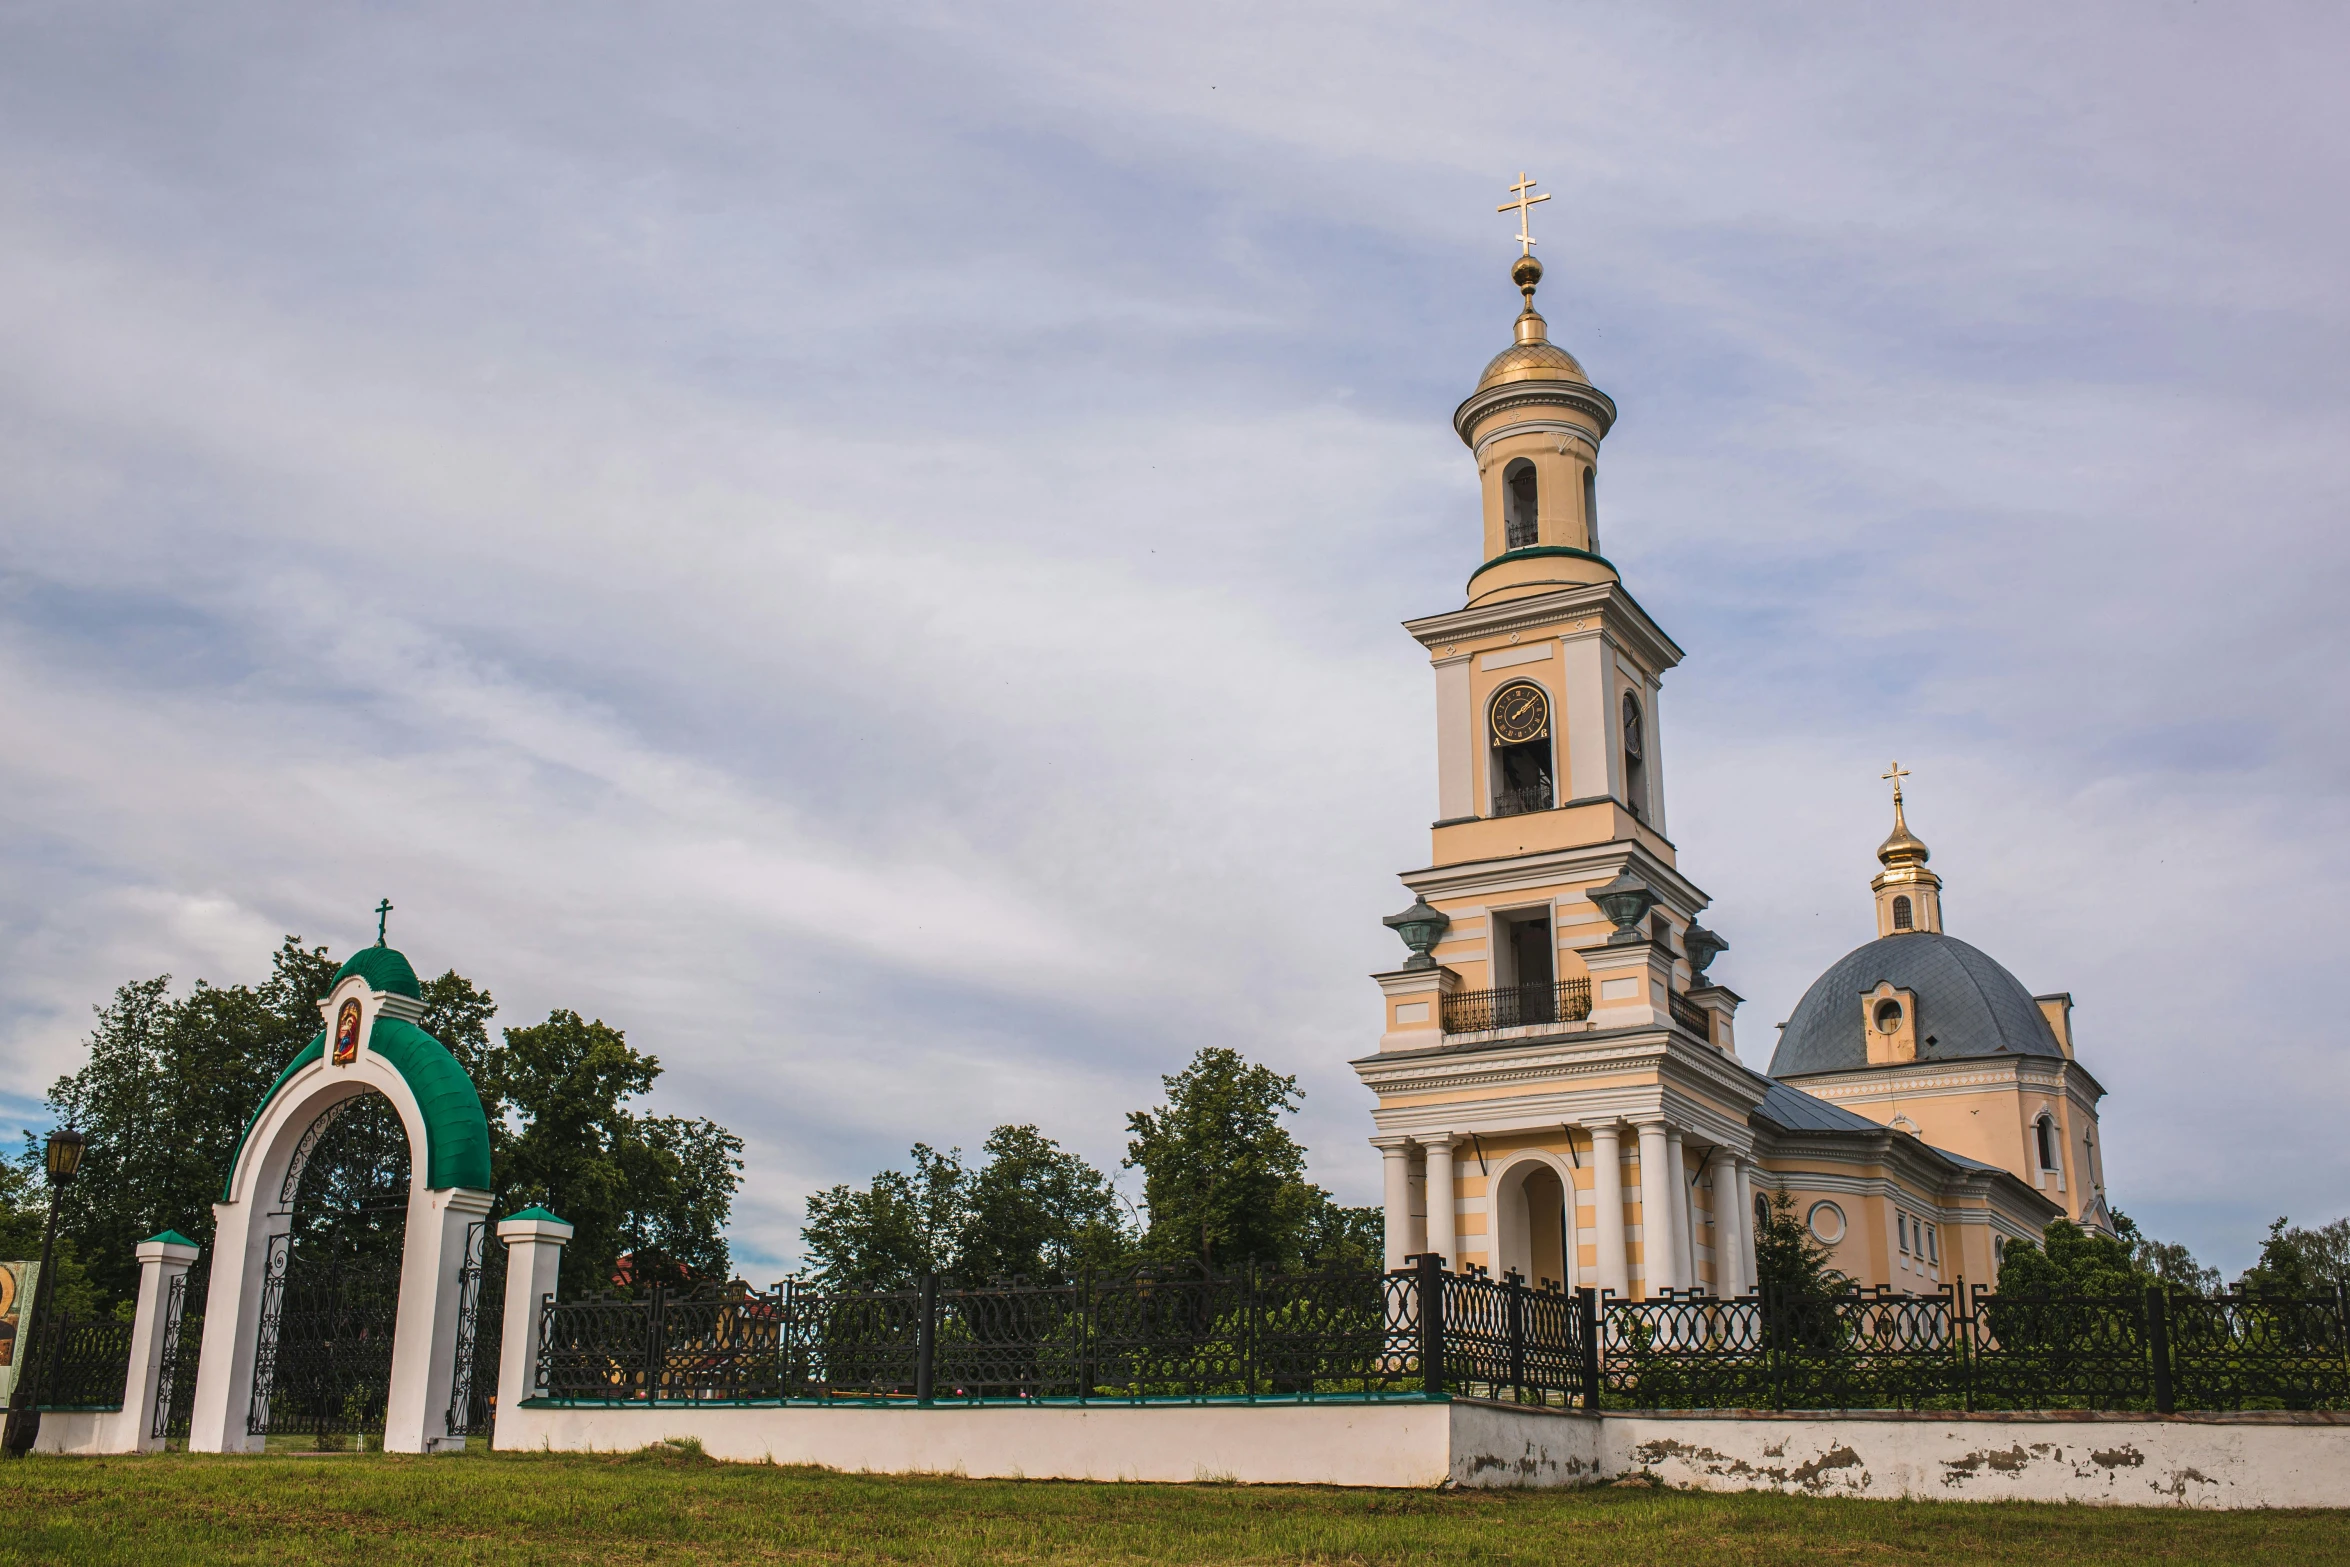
170,1238
534,1212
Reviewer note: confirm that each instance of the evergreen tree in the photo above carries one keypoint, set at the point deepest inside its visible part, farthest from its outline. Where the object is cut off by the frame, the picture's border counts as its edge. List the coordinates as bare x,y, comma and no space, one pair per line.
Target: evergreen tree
1789,1265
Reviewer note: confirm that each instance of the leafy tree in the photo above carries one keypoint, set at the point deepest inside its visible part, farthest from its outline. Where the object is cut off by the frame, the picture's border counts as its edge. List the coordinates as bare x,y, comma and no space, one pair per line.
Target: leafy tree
1223,1179
172,1083
164,1098
1039,1212
1789,1265
1032,1209
2072,1261
655,1189
2168,1261
2298,1261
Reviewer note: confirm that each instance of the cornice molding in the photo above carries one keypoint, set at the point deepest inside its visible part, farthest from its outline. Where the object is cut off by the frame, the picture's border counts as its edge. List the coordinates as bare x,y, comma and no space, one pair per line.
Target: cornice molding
1583,399
1610,600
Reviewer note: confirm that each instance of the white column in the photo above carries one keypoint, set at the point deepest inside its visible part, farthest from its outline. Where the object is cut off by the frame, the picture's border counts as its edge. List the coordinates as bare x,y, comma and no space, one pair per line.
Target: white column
1442,1205
1657,1241
1395,1163
162,1261
534,1252
1684,1207
424,1344
1607,1181
1742,1244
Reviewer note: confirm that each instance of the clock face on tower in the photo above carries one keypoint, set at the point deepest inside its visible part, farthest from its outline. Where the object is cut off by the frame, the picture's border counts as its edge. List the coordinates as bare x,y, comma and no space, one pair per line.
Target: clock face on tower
1521,713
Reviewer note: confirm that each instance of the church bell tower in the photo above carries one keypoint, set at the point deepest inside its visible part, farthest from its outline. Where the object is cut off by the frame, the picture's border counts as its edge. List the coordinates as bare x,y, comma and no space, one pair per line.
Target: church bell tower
1552,1033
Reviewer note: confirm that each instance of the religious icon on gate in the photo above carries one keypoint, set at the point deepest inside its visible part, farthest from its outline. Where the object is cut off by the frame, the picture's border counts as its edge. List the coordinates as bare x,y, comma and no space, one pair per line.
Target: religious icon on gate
347,1034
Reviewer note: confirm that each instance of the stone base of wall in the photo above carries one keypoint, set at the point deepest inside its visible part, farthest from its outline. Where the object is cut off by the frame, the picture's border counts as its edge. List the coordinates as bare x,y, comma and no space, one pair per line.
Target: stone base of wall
2217,1461
84,1431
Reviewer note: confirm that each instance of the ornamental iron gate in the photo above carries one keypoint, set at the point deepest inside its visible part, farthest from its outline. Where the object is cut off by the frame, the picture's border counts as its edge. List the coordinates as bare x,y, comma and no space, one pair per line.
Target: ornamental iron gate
323,1366
183,1342
481,1332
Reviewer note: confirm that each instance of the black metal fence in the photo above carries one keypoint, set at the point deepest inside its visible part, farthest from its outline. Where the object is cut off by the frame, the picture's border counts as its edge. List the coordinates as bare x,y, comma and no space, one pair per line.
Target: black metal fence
82,1363
481,1333
1156,1335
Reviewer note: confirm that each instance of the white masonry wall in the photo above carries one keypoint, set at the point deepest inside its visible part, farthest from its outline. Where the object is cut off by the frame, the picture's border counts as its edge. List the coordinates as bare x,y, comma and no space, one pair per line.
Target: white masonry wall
2212,1461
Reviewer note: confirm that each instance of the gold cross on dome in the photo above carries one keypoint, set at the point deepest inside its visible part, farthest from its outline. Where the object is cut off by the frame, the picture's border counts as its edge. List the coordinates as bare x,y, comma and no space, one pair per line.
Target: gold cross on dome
1522,206
1898,773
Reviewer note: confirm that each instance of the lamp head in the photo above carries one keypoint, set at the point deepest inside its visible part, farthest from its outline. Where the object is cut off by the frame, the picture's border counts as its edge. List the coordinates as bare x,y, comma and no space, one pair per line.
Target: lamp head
65,1154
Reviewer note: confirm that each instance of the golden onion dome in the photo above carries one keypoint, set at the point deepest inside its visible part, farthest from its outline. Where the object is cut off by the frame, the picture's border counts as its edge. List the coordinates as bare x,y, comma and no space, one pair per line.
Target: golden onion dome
1533,357
1904,847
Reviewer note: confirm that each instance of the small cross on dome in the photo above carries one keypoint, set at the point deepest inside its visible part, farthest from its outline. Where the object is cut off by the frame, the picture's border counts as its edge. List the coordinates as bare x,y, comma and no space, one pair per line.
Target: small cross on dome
1522,206
383,914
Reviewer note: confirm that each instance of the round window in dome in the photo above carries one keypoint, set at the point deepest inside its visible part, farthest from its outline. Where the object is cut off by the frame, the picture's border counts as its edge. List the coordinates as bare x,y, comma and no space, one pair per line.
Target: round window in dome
1888,1017
1827,1222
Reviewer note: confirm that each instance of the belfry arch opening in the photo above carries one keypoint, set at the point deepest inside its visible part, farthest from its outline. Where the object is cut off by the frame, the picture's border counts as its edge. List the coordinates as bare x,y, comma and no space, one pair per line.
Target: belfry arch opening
1591,510
1635,758
1520,498
1530,1223
1521,735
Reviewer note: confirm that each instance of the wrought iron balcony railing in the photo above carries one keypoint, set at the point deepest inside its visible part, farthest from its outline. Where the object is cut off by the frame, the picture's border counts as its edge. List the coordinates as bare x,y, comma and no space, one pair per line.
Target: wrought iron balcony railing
1514,1006
1691,1016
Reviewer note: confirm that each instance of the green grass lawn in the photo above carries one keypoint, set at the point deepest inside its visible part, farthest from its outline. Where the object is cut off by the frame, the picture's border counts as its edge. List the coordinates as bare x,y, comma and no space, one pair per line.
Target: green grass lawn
677,1507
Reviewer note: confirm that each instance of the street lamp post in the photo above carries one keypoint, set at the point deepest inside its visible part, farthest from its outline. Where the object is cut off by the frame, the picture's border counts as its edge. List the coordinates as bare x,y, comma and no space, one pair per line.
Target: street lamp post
24,1412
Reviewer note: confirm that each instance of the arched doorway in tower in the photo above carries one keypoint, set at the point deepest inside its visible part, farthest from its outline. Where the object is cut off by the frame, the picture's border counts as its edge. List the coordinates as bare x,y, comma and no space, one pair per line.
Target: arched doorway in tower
1530,1228
331,1279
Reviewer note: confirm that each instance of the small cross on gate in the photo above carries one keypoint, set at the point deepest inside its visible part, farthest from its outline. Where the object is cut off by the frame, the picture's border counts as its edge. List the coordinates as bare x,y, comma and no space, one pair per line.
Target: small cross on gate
383,913
1521,205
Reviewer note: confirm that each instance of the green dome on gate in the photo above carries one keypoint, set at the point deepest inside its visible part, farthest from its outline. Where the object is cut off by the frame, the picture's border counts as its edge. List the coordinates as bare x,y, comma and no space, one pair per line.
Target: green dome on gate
384,969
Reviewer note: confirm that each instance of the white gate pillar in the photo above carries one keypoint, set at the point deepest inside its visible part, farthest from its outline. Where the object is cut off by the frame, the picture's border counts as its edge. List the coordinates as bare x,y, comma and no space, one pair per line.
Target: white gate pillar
424,1344
163,1261
534,1252
232,1319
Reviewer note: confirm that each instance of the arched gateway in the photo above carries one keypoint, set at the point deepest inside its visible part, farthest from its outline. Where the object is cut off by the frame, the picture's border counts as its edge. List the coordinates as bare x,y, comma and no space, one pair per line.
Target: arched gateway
370,1044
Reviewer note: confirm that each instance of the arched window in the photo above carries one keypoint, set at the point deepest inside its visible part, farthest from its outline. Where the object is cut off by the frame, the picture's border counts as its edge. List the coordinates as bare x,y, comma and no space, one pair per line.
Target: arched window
1518,497
1635,759
1591,510
1518,725
2044,1132
1888,1017
1903,919
1762,1215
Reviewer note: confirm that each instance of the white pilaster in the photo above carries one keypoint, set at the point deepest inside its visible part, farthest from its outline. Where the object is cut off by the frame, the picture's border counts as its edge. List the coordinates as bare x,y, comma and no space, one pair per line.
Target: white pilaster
1659,1247
1591,756
1457,739
232,1319
534,1254
1443,1205
1607,1180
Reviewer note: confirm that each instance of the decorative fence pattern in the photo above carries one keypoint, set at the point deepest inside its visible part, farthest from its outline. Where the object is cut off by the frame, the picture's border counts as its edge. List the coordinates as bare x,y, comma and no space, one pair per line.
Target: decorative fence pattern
183,1341
1421,1331
83,1363
1515,1006
481,1332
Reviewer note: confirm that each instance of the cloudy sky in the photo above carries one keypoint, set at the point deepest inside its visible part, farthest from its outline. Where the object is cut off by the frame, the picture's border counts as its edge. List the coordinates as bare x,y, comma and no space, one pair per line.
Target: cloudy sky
864,545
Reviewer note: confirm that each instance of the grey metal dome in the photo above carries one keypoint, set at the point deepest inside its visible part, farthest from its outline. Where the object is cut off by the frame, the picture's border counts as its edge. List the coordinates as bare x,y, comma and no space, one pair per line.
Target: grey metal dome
1967,1006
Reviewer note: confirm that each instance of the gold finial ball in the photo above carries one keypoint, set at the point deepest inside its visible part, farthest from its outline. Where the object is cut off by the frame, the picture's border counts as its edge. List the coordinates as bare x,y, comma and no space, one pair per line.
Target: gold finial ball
1526,273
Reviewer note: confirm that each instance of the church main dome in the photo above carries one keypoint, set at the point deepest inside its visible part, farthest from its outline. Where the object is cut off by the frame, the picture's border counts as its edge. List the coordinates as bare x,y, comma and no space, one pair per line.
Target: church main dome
1967,1005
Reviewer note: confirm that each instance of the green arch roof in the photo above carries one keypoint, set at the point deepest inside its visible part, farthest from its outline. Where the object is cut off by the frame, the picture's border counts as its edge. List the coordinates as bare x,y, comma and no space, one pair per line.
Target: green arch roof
456,1133
384,968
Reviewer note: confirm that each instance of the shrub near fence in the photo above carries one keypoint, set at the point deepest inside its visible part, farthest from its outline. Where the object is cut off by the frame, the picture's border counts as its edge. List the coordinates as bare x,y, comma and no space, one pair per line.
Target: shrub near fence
1189,1336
